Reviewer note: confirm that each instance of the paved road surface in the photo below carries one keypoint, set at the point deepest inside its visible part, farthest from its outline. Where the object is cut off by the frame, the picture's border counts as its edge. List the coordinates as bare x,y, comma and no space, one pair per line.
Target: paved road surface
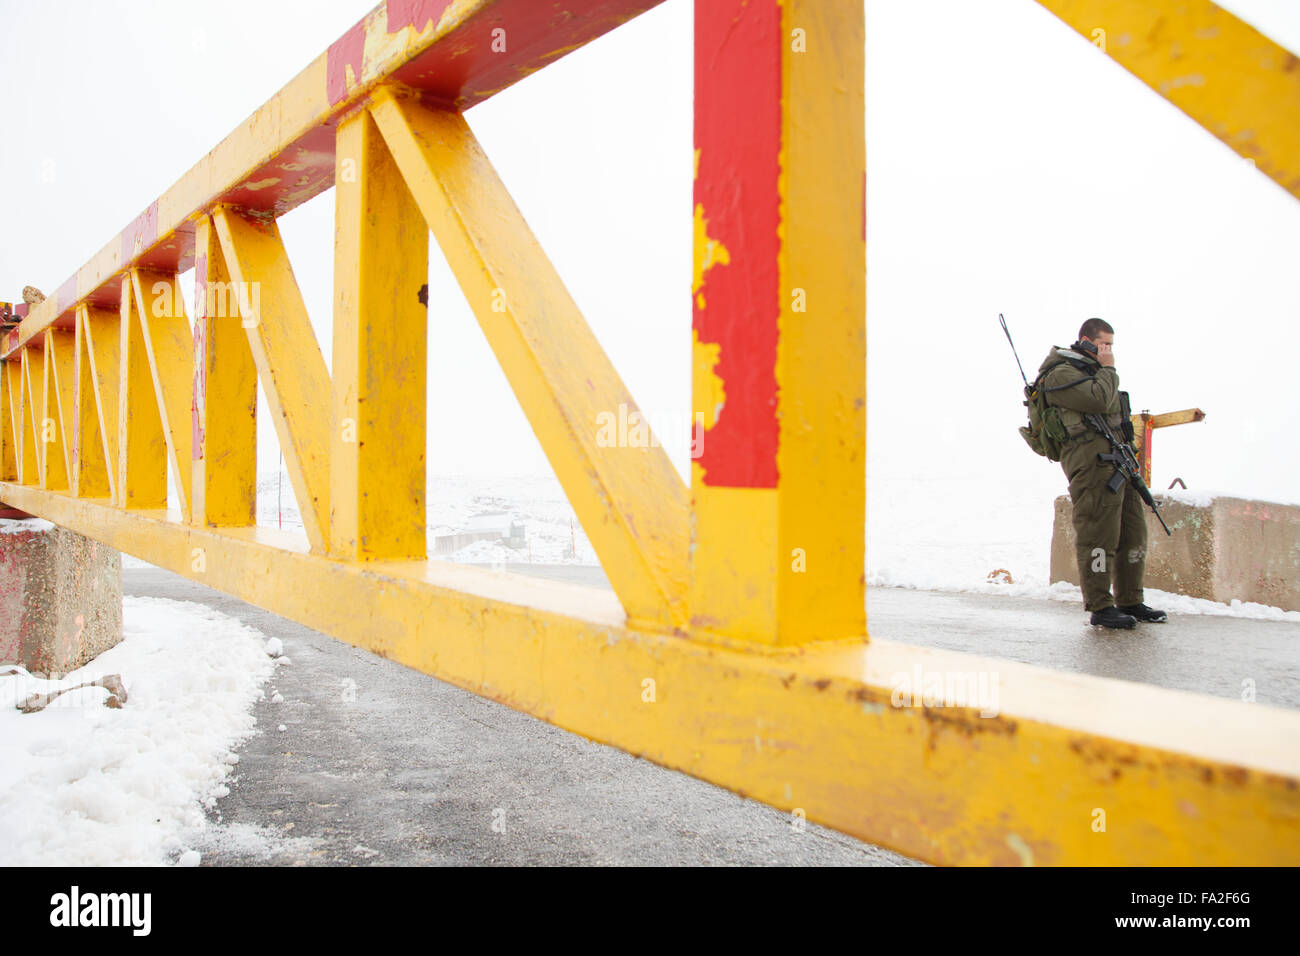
1196,652
381,765
378,764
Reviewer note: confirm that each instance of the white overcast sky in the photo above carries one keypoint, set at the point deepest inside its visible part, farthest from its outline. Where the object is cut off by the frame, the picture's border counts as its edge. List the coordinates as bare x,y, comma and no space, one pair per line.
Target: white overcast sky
1012,168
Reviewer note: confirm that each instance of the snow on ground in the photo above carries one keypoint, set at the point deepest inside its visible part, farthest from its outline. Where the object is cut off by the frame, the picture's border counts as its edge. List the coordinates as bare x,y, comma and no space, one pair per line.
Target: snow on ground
83,785
252,841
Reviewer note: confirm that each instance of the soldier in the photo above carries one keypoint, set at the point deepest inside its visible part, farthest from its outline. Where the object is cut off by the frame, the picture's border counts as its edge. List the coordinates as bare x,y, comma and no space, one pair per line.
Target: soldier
1110,528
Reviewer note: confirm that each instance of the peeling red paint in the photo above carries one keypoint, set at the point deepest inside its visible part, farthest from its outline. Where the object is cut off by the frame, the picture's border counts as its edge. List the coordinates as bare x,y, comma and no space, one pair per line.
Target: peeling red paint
141,233
462,68
65,297
419,14
738,48
312,159
346,51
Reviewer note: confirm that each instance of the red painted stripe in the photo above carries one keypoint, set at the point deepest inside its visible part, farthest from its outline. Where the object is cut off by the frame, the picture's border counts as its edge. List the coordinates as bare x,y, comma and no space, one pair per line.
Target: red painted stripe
349,49
143,231
461,68
302,170
738,47
469,65
344,52
419,14
65,297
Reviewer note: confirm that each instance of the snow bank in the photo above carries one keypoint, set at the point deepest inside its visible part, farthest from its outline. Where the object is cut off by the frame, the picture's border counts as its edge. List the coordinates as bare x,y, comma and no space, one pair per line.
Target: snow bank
1194,497
19,525
82,785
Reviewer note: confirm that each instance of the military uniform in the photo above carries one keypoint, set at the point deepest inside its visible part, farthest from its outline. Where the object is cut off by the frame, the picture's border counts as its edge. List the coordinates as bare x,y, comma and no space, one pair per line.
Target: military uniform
1110,528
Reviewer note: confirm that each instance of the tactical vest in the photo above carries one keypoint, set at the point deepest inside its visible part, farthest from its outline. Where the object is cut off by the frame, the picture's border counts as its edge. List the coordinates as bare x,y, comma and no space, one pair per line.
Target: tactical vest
1052,427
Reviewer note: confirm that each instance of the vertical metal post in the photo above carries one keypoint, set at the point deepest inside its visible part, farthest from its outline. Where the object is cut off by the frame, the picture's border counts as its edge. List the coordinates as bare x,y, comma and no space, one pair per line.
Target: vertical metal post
778,487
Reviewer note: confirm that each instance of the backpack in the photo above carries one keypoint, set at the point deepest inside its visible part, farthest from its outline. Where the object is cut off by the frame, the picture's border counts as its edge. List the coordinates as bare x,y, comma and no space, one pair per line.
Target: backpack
1046,434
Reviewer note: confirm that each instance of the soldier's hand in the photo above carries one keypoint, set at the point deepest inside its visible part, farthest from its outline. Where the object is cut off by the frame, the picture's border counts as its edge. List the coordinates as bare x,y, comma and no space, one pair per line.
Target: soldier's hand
1105,356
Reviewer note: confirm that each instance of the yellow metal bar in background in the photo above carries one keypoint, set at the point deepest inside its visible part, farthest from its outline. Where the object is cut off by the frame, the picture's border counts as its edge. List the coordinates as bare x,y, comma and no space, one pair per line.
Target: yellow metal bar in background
380,368
225,394
288,359
822,350
142,447
60,347
630,500
1185,417
1237,83
8,429
1180,778
90,471
34,407
169,347
779,490
103,352
16,372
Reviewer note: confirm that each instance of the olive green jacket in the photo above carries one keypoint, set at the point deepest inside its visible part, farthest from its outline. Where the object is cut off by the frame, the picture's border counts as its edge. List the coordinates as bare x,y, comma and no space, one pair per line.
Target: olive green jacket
1096,396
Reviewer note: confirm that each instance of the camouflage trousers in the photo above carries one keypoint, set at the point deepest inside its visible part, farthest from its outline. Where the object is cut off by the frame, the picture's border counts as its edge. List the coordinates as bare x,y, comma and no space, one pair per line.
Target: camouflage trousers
1110,528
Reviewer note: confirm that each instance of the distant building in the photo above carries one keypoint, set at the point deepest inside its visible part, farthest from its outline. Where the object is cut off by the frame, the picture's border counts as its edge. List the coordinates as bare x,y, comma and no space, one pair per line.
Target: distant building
486,526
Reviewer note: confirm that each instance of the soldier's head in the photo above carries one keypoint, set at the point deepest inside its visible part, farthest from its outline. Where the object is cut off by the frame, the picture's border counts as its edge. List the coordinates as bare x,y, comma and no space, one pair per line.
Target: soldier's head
1099,333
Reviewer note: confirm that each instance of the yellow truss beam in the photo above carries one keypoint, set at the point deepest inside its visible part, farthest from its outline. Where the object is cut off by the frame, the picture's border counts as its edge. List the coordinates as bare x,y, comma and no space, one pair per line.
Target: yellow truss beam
278,158
778,493
225,394
24,446
141,443
381,290
1061,773
8,428
1233,80
168,346
103,347
34,411
59,355
288,359
91,476
630,500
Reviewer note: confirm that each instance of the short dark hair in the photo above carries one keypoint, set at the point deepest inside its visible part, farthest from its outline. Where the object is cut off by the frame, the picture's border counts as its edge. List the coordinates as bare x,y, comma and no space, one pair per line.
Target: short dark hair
1094,327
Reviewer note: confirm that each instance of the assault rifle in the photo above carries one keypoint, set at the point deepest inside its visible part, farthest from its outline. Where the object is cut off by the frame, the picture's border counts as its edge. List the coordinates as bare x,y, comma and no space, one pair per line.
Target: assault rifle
1126,467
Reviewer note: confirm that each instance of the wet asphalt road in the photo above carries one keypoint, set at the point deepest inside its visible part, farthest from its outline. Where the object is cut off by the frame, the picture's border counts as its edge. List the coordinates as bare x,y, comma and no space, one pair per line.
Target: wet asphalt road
1195,652
381,765
378,764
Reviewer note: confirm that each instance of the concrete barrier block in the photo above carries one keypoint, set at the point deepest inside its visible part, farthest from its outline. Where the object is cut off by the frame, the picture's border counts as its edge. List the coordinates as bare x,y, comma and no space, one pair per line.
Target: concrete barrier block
1221,549
60,597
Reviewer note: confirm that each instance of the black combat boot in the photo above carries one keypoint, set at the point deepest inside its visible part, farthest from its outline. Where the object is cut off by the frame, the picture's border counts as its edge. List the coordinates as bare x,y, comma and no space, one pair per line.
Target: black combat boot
1144,613
1113,617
